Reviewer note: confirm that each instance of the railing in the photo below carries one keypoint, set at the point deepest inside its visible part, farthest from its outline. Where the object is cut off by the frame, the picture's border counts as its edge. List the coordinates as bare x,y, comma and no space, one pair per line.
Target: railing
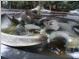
59,13
56,13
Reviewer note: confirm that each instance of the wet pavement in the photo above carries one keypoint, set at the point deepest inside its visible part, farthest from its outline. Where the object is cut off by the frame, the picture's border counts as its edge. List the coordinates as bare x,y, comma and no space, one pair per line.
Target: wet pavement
8,52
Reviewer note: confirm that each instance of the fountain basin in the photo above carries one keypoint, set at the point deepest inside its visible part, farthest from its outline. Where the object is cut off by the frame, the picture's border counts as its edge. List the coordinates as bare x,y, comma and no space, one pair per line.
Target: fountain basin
15,40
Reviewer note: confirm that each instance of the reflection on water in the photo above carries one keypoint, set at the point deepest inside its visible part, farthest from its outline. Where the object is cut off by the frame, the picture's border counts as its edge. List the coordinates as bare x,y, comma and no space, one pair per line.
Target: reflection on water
5,22
7,25
9,30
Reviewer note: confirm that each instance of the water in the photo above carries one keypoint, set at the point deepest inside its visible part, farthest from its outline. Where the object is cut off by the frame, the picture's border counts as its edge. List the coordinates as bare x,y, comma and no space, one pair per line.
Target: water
6,25
5,22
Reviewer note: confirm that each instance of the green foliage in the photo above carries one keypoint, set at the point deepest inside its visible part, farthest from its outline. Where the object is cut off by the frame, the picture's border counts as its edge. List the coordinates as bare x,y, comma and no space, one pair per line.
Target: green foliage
59,5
